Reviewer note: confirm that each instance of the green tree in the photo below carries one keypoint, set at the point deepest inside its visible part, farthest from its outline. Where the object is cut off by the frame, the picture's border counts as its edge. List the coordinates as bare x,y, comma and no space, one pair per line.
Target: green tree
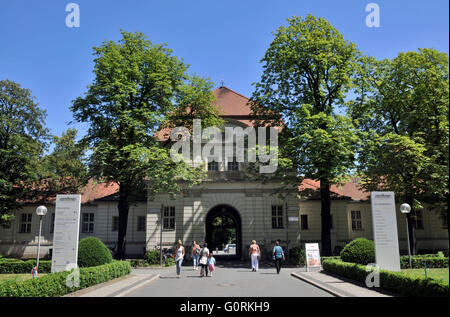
63,170
22,142
137,86
402,114
307,73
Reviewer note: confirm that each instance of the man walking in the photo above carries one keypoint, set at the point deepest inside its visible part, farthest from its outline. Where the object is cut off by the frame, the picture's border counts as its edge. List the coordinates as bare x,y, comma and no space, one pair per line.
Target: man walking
278,255
254,253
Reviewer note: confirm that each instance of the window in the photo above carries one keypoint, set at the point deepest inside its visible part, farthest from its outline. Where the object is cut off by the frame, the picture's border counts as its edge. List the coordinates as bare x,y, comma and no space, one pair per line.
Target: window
141,222
304,222
277,217
213,166
233,165
418,223
115,224
88,223
25,223
356,220
52,225
169,218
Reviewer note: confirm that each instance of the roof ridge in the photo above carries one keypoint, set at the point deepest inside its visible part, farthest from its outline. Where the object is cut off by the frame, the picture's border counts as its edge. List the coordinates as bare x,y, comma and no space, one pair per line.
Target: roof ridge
233,92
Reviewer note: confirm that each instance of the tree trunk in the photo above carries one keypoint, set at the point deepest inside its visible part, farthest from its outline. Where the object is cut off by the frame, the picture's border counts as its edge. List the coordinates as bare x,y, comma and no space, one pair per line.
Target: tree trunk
123,207
326,216
411,225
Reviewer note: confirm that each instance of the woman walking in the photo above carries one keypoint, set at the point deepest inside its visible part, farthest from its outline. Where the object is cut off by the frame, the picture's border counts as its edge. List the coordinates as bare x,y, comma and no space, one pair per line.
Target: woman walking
278,255
179,256
195,253
254,253
204,254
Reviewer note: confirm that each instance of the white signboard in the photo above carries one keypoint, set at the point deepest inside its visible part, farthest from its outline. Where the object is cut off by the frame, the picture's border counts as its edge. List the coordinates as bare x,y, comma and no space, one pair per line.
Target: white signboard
385,230
312,255
293,219
154,211
66,232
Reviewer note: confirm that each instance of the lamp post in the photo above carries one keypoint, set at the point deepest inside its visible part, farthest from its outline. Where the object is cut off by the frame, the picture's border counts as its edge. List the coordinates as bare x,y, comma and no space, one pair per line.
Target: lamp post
405,209
41,211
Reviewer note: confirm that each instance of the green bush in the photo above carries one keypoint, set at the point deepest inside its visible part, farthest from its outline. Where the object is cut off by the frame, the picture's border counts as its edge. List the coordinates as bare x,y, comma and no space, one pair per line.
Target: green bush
152,257
93,252
396,282
417,262
169,262
14,266
54,285
360,250
297,256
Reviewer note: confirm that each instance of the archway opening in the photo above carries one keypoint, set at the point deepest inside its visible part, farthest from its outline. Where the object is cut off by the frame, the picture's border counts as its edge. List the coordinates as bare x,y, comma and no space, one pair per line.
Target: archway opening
223,231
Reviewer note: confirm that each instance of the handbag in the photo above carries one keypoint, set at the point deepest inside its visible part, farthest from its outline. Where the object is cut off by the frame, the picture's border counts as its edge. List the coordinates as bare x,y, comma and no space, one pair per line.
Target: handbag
204,260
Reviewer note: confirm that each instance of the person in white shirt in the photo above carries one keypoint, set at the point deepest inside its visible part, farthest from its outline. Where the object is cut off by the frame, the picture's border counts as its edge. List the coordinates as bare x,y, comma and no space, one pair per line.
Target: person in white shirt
179,256
254,253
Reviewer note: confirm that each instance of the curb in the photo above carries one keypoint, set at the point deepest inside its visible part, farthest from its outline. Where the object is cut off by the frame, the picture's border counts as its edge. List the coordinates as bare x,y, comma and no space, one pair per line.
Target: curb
138,286
328,290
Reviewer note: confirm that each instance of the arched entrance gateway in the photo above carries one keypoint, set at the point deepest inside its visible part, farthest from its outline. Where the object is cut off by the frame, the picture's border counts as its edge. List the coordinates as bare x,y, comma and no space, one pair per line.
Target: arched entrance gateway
223,226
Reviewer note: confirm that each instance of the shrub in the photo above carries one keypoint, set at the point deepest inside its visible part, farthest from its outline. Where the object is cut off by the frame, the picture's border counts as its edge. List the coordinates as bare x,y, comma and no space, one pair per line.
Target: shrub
417,262
297,256
93,252
360,250
396,282
152,257
54,285
169,262
14,266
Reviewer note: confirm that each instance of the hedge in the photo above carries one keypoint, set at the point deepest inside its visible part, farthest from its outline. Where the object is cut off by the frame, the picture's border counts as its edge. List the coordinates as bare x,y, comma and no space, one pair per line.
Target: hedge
395,282
417,262
54,285
14,266
93,252
360,251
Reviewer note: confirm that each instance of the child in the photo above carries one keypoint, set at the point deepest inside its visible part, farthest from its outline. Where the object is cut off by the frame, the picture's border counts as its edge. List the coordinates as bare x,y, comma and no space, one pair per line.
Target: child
211,263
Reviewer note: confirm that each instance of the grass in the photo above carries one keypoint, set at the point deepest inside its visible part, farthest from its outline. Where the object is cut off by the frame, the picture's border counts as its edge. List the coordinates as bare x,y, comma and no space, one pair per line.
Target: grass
437,274
17,277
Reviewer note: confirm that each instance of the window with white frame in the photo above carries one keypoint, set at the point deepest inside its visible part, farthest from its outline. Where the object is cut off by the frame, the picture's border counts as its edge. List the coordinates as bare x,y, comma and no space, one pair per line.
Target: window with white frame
233,165
169,218
304,222
87,222
213,166
277,216
25,223
115,224
356,220
141,222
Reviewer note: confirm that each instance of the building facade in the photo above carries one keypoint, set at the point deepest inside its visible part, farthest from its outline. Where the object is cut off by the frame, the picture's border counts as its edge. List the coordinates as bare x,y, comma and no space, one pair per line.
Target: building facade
251,209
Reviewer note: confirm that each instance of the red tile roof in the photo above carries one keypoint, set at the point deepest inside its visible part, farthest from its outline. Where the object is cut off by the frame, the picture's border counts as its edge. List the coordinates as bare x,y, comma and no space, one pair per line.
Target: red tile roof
350,190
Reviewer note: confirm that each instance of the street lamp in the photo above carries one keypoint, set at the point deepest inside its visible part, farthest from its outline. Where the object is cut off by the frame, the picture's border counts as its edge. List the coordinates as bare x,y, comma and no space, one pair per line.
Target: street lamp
41,211
405,209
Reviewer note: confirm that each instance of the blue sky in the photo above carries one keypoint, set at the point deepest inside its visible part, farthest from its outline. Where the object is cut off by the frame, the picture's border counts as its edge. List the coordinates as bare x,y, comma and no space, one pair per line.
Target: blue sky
219,39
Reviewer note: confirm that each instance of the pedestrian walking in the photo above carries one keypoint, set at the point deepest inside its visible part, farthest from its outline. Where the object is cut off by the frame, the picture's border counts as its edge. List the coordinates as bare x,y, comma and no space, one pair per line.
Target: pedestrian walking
195,253
278,255
211,264
255,254
179,256
204,254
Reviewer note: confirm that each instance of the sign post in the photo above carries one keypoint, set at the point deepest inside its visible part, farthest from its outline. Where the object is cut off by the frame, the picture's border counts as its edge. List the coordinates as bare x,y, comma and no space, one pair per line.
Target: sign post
312,255
66,233
385,234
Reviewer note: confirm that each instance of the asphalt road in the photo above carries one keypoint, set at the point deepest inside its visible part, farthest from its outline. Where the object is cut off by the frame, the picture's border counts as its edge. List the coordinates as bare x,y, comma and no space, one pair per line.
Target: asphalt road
227,281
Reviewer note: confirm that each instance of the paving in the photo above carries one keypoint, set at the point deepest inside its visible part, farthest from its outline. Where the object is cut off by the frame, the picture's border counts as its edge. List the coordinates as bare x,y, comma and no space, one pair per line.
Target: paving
228,281
339,286
231,279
